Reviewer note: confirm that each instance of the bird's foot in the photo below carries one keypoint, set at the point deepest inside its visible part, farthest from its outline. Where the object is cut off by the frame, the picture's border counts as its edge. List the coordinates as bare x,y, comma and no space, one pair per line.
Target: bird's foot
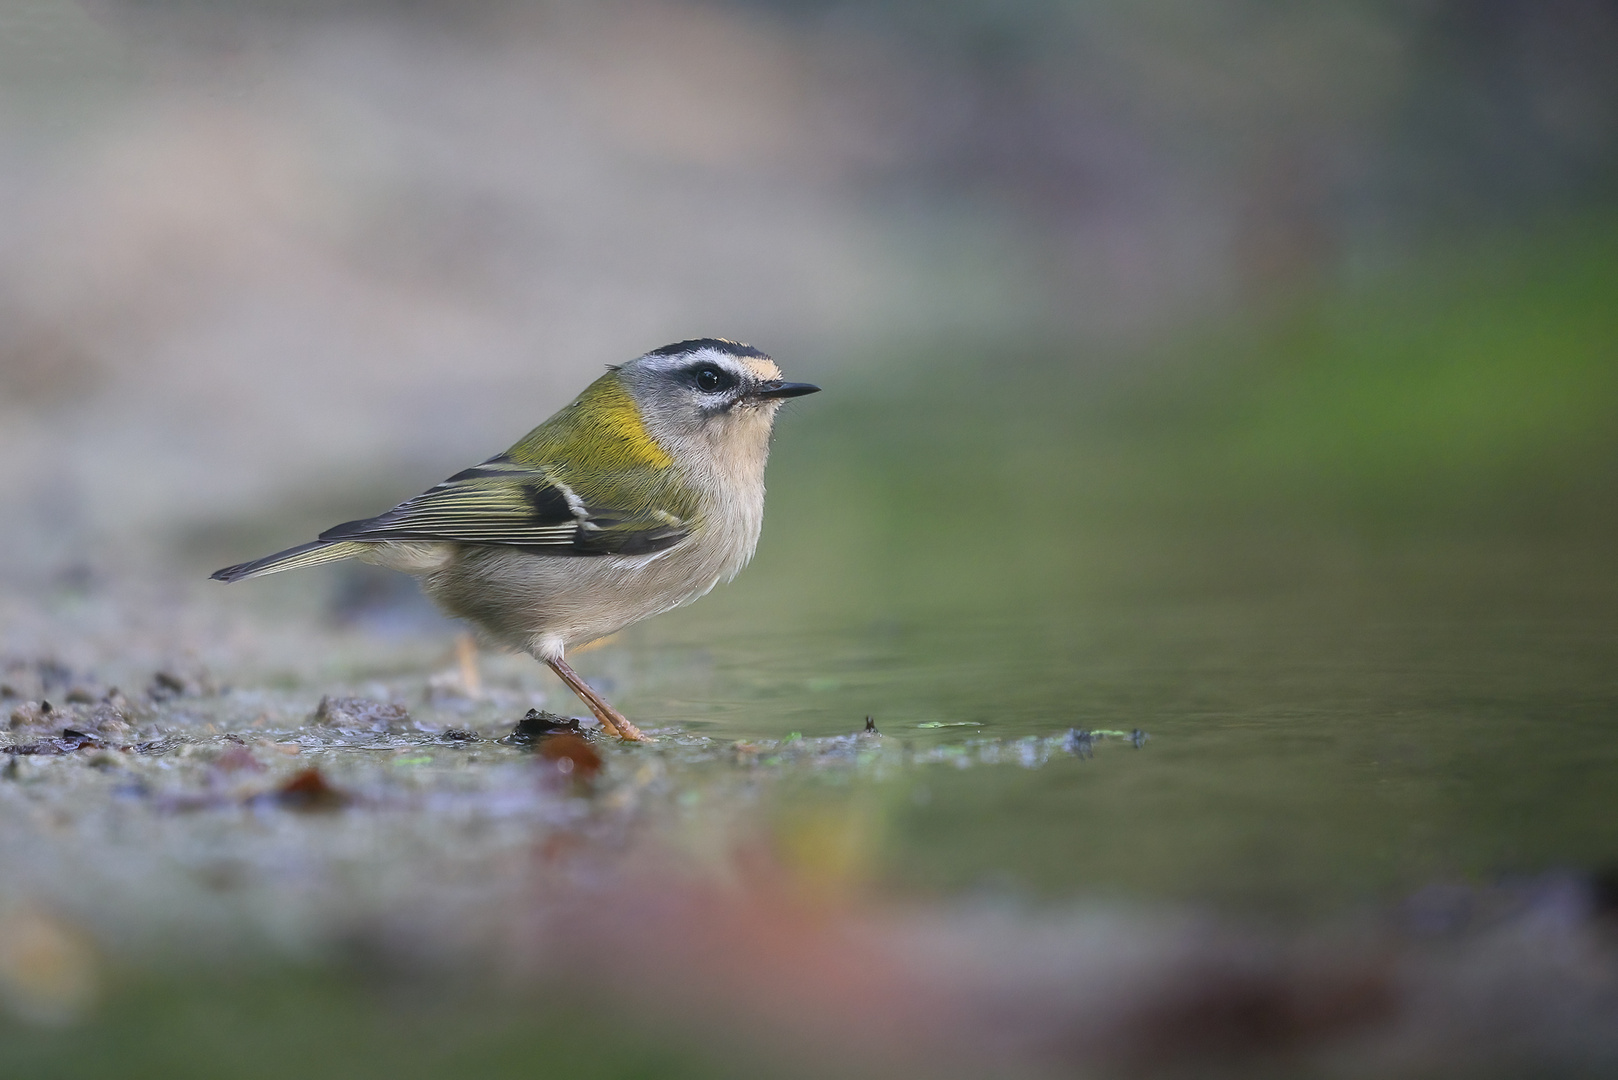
613,722
616,723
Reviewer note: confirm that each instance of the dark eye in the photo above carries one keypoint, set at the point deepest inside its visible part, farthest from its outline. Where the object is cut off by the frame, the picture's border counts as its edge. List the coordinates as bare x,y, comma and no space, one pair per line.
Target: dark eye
710,378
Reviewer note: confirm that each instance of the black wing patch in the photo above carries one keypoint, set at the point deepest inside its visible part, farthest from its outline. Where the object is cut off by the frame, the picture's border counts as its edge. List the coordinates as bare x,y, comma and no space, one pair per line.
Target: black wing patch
604,535
548,502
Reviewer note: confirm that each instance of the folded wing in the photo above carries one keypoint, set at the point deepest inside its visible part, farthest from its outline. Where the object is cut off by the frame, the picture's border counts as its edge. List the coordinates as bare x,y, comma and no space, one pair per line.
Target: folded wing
505,503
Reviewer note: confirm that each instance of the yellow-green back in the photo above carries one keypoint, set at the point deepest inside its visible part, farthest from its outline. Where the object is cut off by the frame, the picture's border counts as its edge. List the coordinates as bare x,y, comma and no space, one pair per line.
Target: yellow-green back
599,447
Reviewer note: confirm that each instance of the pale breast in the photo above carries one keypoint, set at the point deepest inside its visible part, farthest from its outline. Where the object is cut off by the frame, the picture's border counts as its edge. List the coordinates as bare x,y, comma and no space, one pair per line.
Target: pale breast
547,603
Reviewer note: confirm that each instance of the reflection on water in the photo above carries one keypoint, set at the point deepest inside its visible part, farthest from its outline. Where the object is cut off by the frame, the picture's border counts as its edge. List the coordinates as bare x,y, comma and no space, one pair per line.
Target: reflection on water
1309,747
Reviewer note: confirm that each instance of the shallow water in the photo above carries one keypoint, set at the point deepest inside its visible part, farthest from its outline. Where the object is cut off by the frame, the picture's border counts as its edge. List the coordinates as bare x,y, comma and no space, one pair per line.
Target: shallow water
1313,744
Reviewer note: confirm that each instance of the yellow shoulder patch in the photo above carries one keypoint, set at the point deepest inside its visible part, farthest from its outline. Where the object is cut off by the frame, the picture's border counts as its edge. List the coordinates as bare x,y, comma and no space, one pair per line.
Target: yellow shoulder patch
608,413
600,431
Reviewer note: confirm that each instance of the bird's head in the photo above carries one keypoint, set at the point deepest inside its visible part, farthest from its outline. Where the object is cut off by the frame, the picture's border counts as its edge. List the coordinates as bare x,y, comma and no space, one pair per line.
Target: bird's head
708,390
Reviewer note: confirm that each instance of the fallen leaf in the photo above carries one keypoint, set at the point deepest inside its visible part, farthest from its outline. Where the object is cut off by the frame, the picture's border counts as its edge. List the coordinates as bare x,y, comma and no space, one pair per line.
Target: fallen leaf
308,791
571,755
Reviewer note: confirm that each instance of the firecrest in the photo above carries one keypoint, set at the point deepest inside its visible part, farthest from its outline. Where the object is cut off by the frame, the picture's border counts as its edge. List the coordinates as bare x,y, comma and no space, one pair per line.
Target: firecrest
641,495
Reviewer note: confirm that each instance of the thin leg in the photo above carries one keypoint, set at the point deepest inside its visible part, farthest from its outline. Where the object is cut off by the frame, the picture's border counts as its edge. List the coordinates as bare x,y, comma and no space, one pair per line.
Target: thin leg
466,653
611,719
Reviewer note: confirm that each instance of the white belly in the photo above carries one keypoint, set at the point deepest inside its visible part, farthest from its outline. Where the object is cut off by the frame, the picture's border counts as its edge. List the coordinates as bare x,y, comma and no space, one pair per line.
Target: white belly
546,604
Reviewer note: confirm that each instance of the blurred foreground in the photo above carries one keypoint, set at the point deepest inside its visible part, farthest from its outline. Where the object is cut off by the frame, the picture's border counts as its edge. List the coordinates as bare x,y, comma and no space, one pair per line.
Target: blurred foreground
437,903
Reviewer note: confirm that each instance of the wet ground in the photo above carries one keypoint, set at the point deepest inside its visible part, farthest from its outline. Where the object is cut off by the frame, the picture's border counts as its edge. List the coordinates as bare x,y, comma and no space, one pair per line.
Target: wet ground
1331,856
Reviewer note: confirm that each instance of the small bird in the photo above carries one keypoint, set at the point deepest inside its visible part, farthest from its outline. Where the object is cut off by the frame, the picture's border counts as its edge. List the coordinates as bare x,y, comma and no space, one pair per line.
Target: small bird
641,495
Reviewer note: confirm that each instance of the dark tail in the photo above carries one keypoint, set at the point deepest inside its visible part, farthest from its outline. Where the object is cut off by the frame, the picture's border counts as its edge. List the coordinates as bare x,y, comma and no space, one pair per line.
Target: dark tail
311,554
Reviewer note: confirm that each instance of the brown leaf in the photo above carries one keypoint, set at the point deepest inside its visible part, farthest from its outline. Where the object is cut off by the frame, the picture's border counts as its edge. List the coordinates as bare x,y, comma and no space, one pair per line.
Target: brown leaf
308,791
237,759
571,755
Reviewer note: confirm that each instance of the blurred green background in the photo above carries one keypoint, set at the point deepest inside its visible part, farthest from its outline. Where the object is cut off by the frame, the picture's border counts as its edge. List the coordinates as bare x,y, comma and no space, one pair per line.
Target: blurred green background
1349,562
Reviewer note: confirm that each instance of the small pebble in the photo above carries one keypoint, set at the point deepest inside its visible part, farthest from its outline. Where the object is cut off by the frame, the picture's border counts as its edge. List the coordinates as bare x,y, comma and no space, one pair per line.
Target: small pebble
538,725
362,713
1078,742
